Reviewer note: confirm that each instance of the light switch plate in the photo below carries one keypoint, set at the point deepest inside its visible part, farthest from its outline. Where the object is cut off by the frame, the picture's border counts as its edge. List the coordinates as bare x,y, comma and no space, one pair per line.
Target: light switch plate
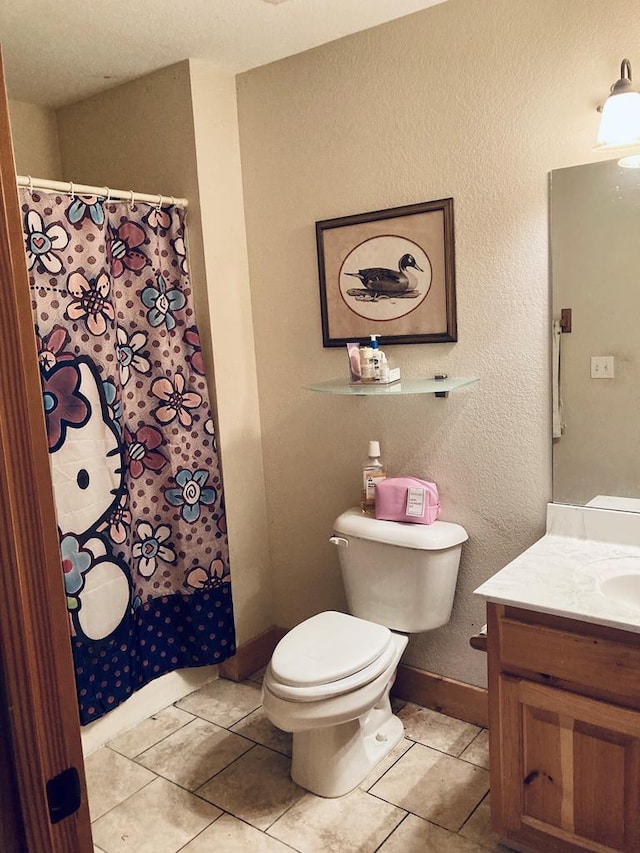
602,367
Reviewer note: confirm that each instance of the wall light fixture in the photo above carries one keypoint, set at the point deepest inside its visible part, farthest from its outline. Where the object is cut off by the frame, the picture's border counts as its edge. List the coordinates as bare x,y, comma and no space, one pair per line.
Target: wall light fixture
620,122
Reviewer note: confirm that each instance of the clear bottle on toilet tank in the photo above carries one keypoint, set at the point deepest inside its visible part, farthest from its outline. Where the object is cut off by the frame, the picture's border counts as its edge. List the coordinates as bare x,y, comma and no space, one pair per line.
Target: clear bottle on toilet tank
372,473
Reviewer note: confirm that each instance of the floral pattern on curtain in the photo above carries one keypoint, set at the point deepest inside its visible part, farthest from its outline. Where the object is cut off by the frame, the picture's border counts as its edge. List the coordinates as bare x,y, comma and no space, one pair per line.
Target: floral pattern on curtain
135,469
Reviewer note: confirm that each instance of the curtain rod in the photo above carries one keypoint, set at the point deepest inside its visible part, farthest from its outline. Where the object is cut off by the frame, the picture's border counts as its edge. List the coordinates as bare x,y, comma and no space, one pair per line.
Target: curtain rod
110,195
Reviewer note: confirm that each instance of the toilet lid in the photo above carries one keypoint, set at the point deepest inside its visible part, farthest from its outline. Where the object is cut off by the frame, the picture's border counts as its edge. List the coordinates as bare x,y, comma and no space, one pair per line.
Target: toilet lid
388,659
327,648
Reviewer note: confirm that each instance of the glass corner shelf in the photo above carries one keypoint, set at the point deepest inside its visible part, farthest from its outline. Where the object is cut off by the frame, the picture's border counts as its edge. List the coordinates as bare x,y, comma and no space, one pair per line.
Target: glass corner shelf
421,385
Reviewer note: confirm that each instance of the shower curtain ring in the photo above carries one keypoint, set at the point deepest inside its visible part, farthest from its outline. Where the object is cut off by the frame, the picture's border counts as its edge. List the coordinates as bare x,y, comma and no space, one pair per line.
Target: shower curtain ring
30,184
108,189
159,204
72,190
131,195
173,201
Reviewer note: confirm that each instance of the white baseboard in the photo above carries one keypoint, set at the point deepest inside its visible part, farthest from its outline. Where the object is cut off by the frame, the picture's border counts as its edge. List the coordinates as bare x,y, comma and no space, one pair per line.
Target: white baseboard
150,699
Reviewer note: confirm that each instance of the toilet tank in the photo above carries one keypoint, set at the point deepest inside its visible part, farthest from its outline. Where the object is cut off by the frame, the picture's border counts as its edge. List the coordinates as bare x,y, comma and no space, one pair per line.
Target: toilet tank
397,574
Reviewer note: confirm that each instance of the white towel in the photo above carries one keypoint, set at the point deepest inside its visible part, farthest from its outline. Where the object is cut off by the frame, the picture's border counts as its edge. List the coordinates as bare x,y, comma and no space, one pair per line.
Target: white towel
556,383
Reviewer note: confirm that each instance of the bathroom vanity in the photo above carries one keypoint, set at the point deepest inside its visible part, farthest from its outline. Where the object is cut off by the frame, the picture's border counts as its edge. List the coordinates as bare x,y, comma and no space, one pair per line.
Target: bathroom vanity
564,686
564,617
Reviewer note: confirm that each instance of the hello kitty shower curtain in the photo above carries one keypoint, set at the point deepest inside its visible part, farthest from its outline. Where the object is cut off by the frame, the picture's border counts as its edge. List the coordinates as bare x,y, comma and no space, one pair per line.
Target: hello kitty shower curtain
134,463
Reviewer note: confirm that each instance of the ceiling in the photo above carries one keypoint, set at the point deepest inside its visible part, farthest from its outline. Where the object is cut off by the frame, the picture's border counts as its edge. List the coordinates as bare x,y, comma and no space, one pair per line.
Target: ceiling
59,51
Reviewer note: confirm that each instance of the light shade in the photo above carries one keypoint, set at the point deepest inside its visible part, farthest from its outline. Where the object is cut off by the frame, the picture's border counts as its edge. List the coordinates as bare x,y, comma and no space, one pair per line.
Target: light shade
620,122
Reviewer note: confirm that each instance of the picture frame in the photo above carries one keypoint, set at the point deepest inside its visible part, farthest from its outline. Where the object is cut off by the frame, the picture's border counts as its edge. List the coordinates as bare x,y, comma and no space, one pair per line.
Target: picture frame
388,272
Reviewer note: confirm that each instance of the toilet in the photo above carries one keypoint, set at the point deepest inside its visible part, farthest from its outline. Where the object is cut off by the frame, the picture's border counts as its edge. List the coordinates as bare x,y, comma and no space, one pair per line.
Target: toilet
329,678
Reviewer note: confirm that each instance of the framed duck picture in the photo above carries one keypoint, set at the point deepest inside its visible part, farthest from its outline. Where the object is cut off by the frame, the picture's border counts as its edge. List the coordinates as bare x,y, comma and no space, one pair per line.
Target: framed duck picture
389,272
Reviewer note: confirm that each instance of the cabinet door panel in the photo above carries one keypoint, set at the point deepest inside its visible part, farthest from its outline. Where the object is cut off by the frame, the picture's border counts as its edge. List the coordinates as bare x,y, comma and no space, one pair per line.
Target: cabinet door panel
602,761
576,772
542,768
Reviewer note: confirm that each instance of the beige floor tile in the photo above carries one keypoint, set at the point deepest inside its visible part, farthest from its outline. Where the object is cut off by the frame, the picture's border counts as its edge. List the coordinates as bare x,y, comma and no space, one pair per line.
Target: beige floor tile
230,835
355,823
415,835
257,727
478,829
111,778
222,702
388,761
478,750
150,731
160,818
436,730
435,786
256,788
194,753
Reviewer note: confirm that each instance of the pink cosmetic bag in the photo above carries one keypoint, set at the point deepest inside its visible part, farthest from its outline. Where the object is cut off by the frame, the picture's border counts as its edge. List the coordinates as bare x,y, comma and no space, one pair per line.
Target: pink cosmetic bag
407,499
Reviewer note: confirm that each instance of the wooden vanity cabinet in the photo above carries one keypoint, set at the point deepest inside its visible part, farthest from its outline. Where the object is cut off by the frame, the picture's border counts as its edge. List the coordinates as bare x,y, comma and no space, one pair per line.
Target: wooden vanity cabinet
564,721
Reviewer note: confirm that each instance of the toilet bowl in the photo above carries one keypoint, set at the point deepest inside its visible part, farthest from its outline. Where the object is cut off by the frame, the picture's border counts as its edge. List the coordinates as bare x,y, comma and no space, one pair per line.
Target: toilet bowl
329,679
338,708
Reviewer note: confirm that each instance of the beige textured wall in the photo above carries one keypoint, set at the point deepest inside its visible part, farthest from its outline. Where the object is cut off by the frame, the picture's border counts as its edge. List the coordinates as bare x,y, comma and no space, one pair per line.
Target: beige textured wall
596,272
230,323
142,135
475,99
137,135
35,141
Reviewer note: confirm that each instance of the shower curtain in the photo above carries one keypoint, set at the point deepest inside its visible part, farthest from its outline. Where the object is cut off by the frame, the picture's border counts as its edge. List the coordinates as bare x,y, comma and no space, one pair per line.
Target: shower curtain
134,463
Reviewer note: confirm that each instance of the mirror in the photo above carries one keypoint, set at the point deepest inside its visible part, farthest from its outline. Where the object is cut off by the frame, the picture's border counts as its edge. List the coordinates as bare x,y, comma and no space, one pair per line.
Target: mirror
595,271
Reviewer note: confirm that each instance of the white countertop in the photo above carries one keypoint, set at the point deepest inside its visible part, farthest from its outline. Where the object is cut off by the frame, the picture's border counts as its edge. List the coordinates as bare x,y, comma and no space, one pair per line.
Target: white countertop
561,573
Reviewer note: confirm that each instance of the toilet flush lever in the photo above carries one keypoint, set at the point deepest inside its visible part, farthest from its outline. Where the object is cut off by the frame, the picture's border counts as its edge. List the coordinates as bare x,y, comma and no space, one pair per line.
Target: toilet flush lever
339,540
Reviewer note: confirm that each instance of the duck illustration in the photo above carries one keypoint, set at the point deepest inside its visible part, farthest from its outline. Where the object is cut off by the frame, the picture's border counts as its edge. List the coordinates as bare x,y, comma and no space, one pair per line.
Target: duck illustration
383,280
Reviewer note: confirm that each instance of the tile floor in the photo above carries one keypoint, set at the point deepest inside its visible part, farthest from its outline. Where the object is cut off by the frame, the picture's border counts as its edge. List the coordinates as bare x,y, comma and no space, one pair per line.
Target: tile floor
210,773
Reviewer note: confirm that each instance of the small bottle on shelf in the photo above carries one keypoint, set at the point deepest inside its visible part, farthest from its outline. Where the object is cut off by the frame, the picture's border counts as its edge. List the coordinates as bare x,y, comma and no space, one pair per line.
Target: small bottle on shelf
366,364
385,375
377,354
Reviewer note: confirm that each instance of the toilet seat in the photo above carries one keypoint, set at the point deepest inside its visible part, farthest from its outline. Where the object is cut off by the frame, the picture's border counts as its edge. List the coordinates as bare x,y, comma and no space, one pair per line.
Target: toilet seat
331,688
329,655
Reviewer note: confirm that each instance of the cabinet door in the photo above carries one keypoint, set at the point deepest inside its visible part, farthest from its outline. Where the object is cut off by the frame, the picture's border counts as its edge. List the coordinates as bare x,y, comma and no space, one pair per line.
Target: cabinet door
570,768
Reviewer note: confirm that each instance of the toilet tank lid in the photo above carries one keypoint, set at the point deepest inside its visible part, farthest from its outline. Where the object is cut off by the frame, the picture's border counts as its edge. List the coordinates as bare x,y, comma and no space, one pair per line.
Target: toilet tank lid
425,537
